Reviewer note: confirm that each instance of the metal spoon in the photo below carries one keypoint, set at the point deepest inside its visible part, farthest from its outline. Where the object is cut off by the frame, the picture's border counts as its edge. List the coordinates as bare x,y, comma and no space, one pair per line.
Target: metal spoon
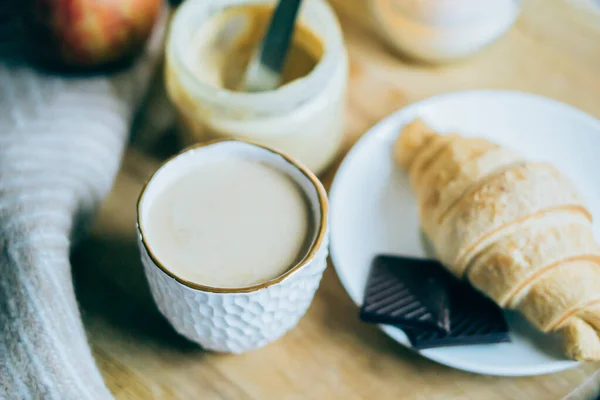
264,70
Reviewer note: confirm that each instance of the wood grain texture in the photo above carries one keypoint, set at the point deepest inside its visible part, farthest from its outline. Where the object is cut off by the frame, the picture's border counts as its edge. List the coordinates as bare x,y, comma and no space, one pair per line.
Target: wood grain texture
552,50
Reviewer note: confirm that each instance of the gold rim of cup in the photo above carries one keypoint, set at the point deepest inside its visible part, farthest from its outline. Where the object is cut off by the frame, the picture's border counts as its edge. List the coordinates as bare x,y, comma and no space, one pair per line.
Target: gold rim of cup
310,254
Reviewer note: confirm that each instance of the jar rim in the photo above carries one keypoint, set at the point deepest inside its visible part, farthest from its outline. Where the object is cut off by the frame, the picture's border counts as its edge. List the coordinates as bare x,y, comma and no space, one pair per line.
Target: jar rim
185,23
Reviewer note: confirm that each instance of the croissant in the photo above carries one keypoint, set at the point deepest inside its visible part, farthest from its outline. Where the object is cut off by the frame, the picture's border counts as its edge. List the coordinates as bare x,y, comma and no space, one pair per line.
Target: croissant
518,231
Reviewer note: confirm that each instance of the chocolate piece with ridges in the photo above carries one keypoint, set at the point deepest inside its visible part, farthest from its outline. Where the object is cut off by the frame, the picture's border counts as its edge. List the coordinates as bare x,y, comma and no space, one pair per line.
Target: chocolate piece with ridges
406,292
474,319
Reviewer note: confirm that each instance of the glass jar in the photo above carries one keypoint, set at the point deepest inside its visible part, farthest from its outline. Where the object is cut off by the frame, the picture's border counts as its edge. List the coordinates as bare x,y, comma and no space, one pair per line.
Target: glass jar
442,30
303,118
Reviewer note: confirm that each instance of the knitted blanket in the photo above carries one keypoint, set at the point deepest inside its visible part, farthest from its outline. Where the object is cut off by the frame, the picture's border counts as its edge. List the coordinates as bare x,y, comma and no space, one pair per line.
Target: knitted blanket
61,140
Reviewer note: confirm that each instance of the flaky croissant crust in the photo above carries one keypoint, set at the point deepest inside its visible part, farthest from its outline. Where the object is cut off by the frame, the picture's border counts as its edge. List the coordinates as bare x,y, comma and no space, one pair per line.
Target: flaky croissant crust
518,231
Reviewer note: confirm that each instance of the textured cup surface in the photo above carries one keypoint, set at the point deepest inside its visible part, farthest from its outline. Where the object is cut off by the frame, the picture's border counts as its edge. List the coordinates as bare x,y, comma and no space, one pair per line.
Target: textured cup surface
239,319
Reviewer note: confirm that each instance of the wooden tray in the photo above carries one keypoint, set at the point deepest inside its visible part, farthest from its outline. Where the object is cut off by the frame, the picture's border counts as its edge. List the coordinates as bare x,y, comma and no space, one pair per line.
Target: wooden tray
553,50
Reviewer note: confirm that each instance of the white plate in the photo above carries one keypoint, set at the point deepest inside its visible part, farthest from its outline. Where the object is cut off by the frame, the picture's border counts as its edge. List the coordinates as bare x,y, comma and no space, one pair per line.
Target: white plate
373,210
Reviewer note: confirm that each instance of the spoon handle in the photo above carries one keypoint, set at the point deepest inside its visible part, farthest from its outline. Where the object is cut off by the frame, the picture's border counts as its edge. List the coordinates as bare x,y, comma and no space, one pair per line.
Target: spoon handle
264,70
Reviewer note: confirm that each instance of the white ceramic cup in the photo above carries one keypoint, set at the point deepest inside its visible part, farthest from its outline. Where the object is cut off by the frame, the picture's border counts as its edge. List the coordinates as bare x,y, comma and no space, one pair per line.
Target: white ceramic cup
240,319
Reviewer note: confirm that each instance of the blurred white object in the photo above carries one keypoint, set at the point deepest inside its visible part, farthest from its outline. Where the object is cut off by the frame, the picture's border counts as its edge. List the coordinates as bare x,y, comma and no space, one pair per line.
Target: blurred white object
443,30
588,12
588,5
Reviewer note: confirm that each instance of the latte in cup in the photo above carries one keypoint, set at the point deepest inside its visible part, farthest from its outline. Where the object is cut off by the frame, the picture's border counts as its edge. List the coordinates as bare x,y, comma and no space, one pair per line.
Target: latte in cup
233,239
229,223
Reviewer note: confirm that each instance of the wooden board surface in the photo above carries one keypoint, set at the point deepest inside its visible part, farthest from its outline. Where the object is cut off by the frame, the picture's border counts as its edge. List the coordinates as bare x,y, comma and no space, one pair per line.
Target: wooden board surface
552,50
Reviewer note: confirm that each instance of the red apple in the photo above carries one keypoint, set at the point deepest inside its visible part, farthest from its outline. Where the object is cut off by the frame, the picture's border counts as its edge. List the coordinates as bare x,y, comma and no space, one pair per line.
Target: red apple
88,33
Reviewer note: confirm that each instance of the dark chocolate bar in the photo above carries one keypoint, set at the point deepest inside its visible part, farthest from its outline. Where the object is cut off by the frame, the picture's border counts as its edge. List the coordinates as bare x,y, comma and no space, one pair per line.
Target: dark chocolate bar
396,282
408,293
474,319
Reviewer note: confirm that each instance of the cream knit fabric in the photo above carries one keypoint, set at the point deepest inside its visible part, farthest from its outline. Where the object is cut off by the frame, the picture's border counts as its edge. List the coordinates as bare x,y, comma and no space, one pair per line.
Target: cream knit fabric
61,141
